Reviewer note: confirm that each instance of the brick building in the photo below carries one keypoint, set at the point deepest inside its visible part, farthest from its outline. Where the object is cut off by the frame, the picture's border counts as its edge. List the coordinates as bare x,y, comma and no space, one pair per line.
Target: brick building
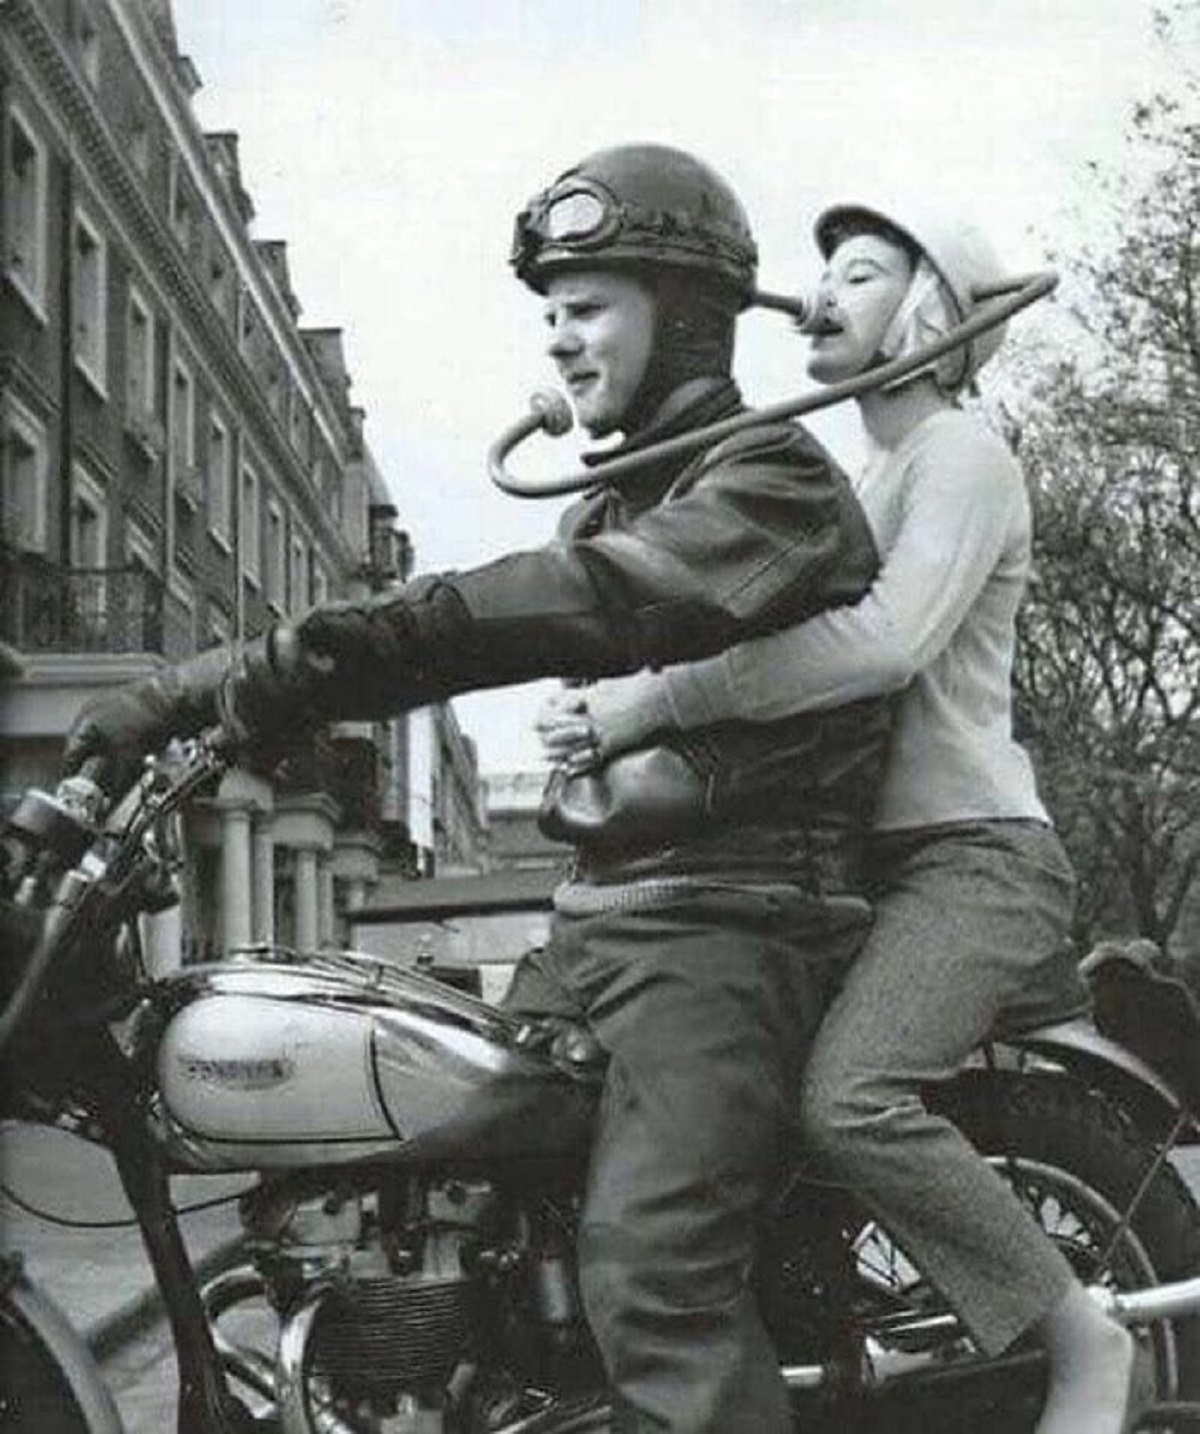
181,460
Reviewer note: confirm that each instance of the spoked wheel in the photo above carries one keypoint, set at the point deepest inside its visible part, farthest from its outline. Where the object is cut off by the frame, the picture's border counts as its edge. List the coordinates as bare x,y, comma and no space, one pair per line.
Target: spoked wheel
1077,1165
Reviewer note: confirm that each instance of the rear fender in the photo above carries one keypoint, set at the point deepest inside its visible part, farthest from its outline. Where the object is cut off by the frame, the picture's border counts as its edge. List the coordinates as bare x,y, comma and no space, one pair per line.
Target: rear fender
1078,1046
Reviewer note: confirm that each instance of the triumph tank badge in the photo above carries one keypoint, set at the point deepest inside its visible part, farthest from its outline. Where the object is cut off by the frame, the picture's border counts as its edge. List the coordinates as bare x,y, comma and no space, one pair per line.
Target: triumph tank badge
259,1073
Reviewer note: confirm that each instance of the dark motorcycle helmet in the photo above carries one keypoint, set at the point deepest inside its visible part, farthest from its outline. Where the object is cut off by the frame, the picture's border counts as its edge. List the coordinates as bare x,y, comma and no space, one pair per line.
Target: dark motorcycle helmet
672,222
637,205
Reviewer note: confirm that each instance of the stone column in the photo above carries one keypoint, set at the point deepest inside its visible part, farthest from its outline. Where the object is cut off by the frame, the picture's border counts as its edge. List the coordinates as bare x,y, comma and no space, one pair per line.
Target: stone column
326,907
355,862
236,886
264,882
308,899
240,798
305,823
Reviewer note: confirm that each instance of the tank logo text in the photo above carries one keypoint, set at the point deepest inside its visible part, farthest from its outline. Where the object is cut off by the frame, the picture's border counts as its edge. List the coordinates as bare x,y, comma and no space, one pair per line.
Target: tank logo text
258,1074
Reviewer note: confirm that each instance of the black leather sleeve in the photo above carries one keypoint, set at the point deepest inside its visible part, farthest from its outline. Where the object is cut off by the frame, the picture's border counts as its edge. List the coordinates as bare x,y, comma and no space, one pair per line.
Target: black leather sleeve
760,533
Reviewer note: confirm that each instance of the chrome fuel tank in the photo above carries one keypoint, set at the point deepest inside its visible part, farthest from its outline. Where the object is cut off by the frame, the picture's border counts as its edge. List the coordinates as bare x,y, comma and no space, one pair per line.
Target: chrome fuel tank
343,1058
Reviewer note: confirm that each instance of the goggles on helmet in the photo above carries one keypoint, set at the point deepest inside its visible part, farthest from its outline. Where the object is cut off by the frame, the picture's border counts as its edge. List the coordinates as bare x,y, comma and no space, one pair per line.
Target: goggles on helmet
579,219
576,217
581,215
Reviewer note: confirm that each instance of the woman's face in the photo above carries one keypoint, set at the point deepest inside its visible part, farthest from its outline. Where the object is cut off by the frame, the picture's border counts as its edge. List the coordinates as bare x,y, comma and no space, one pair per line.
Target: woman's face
861,289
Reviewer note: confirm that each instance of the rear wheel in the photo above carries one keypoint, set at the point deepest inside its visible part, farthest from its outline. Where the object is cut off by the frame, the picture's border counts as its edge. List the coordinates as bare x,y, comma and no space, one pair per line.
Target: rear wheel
1080,1168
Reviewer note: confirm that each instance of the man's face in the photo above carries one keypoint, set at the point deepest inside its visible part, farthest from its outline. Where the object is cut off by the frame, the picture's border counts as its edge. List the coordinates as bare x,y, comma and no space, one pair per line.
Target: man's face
861,289
601,337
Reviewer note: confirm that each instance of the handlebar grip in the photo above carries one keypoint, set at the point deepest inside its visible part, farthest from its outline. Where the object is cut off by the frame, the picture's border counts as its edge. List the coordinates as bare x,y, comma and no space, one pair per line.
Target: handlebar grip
83,794
91,770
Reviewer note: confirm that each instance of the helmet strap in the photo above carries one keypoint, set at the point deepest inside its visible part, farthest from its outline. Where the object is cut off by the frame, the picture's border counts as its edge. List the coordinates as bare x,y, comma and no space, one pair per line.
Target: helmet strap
695,319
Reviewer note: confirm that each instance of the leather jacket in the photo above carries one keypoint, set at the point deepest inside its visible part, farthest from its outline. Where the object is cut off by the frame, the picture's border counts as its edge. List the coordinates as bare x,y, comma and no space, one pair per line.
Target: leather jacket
689,557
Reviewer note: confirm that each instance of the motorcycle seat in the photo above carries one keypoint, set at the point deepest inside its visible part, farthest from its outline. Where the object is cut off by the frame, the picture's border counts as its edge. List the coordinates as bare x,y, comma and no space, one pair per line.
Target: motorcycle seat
1143,1002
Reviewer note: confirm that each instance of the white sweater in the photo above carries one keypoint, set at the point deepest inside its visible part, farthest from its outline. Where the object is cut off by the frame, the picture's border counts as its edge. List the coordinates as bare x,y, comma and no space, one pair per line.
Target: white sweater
951,519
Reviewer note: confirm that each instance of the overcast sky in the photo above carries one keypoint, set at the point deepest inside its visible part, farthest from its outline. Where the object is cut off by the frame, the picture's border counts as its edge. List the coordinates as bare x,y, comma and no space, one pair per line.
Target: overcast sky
391,142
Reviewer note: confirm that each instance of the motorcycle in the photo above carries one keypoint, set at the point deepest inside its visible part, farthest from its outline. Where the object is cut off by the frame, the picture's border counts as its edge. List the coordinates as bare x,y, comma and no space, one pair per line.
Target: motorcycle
417,1157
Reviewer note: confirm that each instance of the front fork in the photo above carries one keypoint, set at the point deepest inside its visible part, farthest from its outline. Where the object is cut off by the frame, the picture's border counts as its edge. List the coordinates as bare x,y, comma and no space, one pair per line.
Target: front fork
206,1403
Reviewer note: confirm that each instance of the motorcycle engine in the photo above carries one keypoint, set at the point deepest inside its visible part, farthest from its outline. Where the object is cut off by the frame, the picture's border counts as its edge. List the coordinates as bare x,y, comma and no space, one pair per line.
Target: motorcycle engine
404,1267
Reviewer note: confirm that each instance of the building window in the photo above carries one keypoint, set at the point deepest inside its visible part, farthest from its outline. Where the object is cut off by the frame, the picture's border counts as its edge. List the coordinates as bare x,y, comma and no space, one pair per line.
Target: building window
184,214
250,533
87,42
88,537
87,540
250,327
139,144
298,577
183,434
220,480
276,557
221,287
88,290
299,422
276,389
23,463
25,211
319,592
139,357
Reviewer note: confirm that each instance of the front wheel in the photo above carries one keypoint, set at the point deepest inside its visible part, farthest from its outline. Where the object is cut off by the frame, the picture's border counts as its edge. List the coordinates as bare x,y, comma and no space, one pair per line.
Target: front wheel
48,1381
1087,1177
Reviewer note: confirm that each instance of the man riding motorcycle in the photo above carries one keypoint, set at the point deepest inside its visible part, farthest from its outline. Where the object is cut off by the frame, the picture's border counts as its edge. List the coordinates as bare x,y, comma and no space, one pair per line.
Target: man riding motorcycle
713,893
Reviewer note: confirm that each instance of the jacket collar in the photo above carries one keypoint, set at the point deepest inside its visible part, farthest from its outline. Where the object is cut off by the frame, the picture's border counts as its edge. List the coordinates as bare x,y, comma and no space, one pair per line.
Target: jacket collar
694,405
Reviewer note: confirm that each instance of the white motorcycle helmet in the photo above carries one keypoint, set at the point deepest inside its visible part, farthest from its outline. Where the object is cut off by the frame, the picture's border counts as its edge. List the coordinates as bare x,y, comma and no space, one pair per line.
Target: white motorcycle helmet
958,261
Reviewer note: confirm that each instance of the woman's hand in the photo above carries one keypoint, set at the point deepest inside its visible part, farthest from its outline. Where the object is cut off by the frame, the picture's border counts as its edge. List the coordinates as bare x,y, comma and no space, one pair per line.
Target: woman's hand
566,729
585,726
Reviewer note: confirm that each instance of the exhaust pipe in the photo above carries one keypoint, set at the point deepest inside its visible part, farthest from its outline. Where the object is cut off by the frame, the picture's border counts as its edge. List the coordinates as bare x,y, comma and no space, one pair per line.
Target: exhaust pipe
282,1380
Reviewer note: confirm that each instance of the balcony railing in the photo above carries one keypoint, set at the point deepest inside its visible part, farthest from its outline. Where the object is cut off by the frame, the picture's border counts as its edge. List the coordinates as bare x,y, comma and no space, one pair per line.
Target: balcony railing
48,608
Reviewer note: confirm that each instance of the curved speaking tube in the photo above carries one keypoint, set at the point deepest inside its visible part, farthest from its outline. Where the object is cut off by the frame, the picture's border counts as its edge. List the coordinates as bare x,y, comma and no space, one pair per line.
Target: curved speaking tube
549,410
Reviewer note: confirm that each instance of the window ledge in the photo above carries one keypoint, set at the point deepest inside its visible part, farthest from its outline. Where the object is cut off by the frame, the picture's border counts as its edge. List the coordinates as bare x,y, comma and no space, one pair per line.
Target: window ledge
95,383
34,302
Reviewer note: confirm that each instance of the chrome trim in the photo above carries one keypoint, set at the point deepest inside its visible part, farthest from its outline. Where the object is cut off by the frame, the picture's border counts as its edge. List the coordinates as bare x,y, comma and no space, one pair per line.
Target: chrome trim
252,1367
340,978
348,1059
1170,1301
296,1413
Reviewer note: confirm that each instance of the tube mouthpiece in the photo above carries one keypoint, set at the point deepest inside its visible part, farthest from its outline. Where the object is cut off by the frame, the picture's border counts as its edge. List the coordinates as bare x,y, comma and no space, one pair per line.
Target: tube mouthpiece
553,412
798,306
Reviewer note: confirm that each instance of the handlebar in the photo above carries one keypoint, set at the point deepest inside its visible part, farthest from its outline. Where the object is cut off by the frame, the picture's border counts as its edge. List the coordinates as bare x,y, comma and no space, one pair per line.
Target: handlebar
95,867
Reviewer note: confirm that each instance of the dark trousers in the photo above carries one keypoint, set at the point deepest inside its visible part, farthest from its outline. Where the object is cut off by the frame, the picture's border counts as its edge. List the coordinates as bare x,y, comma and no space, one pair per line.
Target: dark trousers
706,1005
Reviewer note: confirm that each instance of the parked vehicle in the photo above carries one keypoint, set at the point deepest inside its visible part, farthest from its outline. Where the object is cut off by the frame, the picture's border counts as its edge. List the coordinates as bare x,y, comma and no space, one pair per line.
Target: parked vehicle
417,1158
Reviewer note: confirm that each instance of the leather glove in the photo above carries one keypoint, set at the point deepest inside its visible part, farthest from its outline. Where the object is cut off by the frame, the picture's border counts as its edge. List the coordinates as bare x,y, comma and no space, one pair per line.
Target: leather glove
255,694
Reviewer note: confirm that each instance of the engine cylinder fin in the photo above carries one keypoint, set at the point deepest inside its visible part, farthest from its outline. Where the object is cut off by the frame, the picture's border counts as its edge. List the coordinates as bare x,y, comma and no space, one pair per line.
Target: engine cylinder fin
378,1336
